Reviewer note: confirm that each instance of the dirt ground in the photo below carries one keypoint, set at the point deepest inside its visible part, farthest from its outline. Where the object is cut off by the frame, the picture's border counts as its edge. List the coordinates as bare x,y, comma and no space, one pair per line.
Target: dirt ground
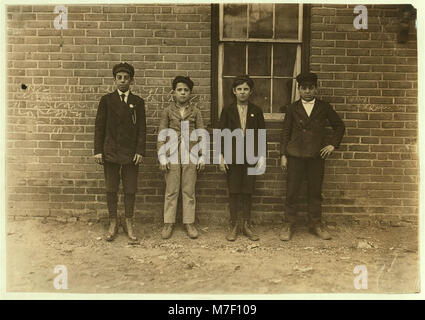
209,264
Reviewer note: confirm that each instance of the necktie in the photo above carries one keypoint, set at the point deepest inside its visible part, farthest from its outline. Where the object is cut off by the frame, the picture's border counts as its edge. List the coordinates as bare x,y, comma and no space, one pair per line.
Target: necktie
123,97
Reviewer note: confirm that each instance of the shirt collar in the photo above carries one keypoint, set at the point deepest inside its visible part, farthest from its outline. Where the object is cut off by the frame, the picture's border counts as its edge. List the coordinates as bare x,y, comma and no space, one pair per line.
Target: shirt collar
187,106
126,93
308,102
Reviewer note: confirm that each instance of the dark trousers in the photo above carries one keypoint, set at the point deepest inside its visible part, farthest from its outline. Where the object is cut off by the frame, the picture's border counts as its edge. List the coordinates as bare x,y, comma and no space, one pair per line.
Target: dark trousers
297,169
235,199
115,172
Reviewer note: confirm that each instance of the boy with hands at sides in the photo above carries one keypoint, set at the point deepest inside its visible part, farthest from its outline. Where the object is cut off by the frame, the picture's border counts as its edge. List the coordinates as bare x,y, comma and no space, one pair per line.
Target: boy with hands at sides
242,115
178,162
119,145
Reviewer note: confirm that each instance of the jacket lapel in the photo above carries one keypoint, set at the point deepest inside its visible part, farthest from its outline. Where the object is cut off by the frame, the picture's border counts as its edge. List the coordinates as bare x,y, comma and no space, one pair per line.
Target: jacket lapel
249,119
118,106
315,110
235,114
300,110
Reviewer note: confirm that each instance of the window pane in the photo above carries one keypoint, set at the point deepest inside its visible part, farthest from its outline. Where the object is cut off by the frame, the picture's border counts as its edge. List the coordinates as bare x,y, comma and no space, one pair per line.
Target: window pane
284,56
261,95
282,93
228,96
259,59
261,20
235,17
286,21
234,59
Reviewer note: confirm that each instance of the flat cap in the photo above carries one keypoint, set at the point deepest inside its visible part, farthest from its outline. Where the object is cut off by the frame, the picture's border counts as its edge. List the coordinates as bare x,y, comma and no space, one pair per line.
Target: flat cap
307,77
123,67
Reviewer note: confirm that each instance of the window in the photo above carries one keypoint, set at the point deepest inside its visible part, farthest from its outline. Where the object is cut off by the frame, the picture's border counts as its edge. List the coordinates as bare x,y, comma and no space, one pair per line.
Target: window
264,41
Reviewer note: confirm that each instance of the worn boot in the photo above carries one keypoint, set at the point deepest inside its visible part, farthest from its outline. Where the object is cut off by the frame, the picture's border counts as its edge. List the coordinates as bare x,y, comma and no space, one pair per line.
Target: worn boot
249,232
233,233
286,231
113,229
129,230
319,229
167,230
192,232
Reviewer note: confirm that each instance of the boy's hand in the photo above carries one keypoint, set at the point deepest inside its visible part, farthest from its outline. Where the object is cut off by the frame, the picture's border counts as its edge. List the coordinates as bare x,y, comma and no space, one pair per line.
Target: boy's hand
283,162
326,151
163,164
223,165
98,158
138,159
201,164
164,167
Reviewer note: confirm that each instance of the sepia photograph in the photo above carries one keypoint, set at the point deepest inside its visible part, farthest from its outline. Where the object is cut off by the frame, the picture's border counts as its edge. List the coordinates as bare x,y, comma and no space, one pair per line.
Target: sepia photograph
209,149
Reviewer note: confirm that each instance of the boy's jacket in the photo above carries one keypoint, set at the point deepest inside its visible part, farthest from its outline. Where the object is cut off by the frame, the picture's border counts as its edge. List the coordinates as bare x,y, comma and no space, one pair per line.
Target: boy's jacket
305,136
116,136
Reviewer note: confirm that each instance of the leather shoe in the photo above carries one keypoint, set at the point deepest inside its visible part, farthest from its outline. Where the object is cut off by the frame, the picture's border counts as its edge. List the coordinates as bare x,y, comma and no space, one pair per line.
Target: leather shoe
112,231
249,232
192,232
129,229
233,233
167,230
320,230
286,232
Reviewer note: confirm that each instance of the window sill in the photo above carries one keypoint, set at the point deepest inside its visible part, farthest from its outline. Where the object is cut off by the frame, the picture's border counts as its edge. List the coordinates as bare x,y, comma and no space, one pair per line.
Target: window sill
274,116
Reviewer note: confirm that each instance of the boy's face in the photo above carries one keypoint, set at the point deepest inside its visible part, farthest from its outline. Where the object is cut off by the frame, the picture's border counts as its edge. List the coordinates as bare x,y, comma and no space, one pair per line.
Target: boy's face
182,93
242,92
307,91
122,81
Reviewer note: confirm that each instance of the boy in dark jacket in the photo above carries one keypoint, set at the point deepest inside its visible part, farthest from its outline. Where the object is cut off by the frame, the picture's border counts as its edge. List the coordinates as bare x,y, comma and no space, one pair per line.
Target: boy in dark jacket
303,151
119,145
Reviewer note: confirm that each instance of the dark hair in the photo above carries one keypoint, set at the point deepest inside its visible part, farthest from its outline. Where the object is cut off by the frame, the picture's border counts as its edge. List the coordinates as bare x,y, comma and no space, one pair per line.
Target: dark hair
182,79
123,67
241,80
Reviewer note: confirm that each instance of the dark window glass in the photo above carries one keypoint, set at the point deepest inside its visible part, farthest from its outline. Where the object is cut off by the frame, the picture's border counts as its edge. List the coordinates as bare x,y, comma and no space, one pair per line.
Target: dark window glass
234,59
260,20
259,59
234,24
284,56
286,17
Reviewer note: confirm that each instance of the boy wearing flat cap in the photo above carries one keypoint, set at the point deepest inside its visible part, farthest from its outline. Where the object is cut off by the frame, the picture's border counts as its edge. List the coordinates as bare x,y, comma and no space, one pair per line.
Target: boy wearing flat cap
304,148
181,173
119,145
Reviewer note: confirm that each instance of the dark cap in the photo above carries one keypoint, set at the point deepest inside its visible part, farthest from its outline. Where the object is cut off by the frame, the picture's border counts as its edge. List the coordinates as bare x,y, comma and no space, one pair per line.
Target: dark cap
308,77
182,79
123,67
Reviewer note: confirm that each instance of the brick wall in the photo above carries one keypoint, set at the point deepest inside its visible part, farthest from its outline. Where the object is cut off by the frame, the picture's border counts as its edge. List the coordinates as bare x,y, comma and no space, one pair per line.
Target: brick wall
50,124
370,79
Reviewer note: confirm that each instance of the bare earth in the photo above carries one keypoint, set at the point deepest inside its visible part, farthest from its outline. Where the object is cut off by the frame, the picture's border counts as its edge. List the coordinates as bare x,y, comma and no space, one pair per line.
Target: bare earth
210,264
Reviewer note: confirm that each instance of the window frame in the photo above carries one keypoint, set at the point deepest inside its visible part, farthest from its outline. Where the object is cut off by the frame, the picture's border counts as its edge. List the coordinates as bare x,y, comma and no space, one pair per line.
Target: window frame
217,45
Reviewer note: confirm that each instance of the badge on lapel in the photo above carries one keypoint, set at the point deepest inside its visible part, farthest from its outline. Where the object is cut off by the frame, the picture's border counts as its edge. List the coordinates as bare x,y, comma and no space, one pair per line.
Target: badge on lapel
252,115
133,113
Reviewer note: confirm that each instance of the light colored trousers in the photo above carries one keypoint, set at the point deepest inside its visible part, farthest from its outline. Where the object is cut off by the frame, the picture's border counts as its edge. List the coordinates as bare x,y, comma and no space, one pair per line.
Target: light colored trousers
184,175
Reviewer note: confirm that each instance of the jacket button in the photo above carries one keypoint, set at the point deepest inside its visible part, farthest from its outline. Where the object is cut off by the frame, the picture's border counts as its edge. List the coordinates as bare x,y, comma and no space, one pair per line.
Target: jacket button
304,130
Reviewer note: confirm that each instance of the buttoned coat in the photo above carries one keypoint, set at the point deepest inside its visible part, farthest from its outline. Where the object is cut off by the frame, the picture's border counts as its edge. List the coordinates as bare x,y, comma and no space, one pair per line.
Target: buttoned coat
116,136
229,119
305,136
171,120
